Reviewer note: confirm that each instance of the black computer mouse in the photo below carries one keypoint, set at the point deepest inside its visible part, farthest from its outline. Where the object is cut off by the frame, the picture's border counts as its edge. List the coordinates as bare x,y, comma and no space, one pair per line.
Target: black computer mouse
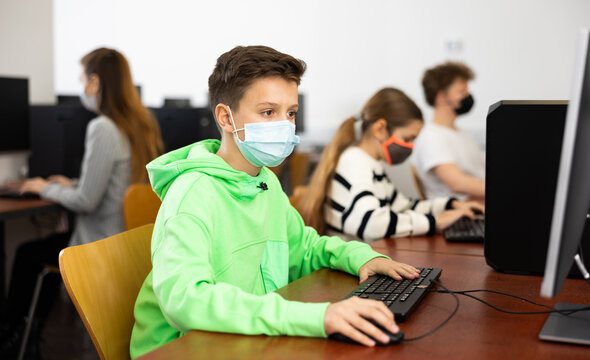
393,338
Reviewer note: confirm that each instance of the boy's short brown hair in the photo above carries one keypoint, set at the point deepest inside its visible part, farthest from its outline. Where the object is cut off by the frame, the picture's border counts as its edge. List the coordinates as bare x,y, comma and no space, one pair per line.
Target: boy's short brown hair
238,68
440,77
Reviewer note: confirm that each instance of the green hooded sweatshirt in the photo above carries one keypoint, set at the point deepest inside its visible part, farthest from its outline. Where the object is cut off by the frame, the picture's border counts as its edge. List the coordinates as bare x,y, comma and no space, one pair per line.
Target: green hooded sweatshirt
222,244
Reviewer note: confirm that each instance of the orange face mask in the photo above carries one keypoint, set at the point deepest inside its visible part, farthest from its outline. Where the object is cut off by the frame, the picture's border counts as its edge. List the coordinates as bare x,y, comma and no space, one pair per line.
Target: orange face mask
396,150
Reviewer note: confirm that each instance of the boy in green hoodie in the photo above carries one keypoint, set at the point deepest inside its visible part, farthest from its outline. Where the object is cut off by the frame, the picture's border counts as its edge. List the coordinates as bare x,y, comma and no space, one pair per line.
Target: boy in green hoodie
226,235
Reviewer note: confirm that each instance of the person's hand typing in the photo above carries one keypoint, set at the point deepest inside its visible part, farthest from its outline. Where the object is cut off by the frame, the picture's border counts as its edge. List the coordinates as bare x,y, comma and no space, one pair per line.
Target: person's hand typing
394,269
34,185
60,179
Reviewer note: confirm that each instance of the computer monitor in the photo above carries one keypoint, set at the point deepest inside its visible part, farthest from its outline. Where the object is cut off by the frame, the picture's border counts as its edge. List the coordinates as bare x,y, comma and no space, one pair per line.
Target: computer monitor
58,136
69,100
177,103
572,202
300,118
181,127
14,114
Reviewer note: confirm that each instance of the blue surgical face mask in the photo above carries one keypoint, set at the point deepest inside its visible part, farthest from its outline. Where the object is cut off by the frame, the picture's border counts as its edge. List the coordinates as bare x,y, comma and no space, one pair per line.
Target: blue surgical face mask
266,143
89,102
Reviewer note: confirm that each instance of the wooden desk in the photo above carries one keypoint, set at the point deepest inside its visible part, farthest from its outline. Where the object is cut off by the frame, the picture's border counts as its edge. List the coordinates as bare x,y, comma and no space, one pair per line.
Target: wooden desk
476,331
434,244
13,208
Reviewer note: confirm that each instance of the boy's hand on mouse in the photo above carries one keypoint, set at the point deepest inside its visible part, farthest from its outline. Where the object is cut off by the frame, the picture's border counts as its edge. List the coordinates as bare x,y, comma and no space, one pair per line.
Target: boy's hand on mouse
394,269
347,317
474,206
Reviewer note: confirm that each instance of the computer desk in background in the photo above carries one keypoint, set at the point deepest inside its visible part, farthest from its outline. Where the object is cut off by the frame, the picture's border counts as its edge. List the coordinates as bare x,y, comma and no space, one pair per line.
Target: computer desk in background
435,244
14,208
475,332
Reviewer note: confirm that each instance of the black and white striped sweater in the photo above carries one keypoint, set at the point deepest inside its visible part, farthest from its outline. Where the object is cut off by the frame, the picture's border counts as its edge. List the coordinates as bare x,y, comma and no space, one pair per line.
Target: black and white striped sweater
364,204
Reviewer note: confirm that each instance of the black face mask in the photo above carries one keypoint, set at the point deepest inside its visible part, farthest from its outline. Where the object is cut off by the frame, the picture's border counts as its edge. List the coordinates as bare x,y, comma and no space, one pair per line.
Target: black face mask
466,105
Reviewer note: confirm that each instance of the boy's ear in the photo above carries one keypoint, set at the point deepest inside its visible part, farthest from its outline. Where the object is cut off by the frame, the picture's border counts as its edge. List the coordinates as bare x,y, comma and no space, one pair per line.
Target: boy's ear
223,119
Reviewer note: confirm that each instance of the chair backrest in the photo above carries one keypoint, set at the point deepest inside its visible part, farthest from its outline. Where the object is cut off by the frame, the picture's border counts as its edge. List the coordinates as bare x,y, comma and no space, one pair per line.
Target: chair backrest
417,182
103,279
140,205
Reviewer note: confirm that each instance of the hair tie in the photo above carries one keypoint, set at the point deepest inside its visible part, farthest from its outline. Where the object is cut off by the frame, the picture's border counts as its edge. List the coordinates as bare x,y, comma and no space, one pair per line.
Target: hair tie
358,127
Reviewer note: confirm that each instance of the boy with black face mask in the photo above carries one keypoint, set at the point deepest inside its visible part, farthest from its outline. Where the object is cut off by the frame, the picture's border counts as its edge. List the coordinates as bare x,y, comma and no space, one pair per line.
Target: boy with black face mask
447,159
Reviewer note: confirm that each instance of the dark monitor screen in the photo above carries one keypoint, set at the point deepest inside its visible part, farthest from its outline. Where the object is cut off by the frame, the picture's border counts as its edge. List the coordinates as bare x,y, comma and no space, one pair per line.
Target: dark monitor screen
181,127
14,114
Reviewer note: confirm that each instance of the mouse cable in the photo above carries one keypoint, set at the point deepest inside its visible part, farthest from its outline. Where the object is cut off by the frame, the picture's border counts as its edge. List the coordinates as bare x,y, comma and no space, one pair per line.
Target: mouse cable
445,321
467,293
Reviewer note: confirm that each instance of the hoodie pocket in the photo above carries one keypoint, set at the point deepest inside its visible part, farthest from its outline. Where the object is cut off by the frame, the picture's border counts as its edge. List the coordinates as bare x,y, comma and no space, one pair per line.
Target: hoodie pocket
274,265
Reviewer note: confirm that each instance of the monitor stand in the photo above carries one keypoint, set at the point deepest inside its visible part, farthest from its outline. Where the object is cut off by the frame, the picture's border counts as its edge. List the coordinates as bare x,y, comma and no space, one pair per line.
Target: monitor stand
574,328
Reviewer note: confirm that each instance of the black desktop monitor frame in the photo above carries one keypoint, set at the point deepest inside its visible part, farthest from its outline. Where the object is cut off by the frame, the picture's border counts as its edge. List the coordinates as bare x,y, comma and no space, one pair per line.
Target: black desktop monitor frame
14,114
572,202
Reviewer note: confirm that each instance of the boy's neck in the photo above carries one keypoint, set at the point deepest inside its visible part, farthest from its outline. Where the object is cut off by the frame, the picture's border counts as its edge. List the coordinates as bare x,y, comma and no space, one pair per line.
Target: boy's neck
445,116
230,152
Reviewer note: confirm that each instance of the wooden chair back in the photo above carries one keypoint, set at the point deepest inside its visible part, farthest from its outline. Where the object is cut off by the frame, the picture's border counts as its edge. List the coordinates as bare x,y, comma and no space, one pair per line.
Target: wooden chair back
140,205
103,279
417,182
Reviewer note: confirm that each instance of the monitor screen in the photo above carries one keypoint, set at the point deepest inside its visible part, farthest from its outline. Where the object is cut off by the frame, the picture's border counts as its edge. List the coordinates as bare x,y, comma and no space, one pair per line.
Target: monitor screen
572,195
14,114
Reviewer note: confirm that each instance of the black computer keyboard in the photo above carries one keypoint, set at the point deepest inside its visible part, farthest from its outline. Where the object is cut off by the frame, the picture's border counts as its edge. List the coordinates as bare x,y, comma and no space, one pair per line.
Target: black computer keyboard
466,230
16,194
401,296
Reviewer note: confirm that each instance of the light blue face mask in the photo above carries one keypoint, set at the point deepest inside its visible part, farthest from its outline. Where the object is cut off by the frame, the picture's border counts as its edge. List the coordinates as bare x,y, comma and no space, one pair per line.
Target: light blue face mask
89,102
266,143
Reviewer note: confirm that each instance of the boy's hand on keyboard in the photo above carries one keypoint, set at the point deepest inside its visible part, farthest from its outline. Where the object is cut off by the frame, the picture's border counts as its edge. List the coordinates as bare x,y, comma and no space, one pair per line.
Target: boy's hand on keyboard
394,269
349,317
448,217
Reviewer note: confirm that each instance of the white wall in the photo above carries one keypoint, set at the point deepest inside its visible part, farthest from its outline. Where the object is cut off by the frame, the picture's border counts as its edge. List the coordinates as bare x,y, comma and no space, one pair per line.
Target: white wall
26,50
519,49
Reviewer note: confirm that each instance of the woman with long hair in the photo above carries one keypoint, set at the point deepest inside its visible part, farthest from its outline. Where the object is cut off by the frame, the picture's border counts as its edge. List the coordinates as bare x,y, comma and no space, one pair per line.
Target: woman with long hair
119,142
350,193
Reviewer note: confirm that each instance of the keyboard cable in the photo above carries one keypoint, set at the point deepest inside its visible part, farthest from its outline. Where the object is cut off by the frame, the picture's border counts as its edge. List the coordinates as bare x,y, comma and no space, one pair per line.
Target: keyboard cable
467,293
445,321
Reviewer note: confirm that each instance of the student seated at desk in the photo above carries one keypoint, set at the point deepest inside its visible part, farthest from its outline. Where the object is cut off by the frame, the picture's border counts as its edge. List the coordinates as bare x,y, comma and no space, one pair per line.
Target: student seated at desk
350,192
226,236
447,159
119,143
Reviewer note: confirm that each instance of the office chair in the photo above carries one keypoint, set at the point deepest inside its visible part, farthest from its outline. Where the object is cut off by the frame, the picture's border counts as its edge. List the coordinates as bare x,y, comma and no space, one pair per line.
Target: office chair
103,279
417,182
47,269
140,205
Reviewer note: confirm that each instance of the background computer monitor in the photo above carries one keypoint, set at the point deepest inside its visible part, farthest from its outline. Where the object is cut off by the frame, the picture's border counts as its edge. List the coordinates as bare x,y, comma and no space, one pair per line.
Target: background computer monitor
300,118
57,139
14,114
69,100
572,202
181,127
178,103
